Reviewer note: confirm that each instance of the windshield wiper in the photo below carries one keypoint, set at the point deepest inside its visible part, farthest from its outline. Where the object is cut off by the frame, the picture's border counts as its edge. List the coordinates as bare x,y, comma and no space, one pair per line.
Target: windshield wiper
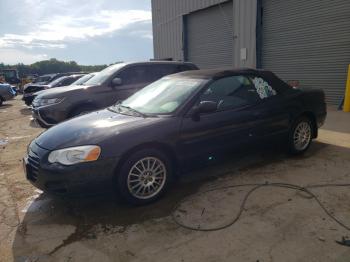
119,106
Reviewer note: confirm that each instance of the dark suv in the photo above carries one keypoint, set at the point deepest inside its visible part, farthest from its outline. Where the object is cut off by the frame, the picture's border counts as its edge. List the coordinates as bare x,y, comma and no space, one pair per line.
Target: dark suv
116,82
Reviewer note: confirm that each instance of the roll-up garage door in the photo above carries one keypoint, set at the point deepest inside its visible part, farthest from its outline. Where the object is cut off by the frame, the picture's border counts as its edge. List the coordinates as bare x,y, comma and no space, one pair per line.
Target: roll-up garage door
308,41
209,36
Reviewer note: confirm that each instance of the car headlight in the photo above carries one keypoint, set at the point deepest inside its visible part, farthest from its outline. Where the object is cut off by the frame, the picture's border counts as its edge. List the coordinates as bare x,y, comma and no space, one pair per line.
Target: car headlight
45,102
74,155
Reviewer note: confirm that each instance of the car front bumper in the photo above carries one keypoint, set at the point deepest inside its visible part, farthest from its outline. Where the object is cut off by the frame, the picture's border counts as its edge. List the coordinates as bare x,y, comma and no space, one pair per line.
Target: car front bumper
58,179
8,96
50,114
28,98
36,115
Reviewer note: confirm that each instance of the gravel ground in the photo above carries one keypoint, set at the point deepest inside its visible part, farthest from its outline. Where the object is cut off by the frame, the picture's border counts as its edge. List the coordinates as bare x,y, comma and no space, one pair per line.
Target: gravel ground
276,224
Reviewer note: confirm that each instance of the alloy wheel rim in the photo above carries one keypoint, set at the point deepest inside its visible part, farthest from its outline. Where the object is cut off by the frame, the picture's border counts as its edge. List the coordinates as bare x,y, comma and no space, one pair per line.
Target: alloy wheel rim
302,136
146,178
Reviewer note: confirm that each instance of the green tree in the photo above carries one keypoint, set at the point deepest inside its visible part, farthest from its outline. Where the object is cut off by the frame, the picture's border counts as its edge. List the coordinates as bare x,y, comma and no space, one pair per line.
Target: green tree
52,66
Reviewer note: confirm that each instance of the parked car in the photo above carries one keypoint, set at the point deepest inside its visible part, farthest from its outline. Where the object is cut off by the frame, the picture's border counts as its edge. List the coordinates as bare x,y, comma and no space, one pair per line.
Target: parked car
45,79
84,79
137,145
29,93
80,81
41,80
114,83
7,92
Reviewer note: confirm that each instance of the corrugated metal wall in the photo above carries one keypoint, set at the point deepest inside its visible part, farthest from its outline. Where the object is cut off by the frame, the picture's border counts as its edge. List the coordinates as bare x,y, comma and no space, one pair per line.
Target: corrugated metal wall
209,36
308,41
301,40
167,16
168,27
244,27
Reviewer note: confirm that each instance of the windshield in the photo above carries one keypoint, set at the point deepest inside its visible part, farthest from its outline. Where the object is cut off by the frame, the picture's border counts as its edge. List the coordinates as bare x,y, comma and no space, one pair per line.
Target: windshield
42,79
163,96
102,76
83,79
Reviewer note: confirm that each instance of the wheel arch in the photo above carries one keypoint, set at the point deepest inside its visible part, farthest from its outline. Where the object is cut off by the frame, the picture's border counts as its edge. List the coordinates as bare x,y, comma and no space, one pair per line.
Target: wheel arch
162,147
310,115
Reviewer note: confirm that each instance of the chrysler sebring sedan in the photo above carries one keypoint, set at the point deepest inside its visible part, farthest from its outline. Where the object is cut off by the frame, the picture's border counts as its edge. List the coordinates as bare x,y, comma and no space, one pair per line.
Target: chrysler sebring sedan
137,145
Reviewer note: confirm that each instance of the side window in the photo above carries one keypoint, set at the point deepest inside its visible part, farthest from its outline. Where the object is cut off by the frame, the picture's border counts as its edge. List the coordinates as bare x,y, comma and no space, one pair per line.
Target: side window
182,68
133,75
156,72
67,81
263,88
61,82
231,92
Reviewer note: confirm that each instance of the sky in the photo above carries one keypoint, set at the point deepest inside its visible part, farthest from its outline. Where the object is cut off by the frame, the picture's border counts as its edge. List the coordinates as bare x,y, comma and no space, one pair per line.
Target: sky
89,32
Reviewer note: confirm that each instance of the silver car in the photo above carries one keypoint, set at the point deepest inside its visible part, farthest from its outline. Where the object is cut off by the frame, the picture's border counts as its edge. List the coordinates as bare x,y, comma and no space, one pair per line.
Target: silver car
7,92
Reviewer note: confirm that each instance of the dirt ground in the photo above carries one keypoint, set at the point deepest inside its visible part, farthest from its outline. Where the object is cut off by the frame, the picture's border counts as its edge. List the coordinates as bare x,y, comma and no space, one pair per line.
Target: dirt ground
276,224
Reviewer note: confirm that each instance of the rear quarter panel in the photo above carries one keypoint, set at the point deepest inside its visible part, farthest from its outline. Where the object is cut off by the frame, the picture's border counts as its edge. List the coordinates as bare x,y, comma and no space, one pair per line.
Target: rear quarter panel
303,101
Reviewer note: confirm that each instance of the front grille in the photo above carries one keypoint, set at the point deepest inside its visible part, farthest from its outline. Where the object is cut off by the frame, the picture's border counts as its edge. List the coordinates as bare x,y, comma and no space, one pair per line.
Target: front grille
33,166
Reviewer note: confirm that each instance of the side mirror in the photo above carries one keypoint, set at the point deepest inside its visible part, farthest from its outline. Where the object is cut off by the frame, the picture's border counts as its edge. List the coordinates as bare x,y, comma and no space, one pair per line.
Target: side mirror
117,81
204,107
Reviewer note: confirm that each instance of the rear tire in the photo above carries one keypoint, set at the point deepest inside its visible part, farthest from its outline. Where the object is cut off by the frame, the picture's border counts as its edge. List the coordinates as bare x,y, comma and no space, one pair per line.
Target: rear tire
300,136
144,177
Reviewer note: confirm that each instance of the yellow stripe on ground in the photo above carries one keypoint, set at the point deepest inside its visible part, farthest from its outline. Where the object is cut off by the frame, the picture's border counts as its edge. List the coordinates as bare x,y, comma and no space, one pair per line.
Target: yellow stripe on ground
346,107
334,138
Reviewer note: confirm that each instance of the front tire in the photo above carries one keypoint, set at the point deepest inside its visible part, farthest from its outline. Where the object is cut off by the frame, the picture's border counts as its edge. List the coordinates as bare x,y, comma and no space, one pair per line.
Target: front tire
300,136
144,176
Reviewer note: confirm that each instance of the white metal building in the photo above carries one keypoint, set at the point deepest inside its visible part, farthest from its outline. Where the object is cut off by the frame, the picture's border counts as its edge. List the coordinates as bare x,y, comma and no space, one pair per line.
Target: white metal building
302,40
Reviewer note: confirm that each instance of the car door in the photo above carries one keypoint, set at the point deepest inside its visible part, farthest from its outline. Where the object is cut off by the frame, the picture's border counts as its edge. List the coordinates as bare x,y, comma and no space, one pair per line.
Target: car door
229,125
271,113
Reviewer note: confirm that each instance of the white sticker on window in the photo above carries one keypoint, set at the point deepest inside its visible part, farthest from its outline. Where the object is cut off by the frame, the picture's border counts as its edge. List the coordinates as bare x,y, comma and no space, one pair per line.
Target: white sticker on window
263,88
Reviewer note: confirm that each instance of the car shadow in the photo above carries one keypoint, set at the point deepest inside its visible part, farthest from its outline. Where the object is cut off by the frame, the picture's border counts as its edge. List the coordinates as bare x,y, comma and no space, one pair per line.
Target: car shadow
111,215
25,111
5,106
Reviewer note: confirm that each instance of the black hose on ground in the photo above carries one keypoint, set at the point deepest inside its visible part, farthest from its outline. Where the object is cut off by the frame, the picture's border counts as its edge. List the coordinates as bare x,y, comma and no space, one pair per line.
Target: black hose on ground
255,187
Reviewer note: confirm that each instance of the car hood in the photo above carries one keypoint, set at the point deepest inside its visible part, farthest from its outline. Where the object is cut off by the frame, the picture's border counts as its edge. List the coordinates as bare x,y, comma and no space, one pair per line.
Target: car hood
34,84
60,92
6,87
40,92
92,129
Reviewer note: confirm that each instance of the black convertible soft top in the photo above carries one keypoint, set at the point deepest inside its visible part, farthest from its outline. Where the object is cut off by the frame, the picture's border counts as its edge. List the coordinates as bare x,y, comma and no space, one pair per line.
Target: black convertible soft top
213,74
